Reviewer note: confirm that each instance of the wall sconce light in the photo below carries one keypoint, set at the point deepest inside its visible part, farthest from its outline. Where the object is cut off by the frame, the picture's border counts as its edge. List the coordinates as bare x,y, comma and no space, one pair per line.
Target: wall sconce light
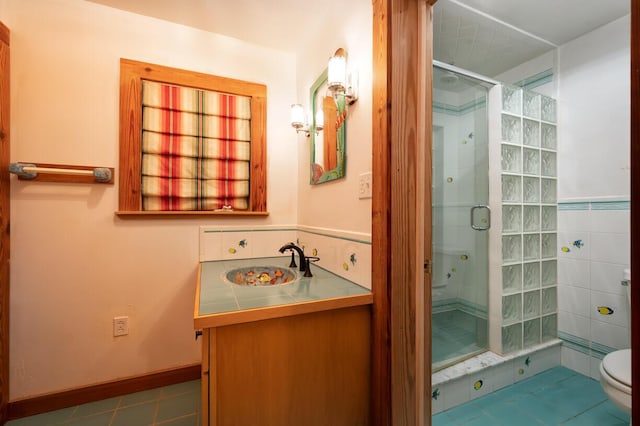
301,123
339,80
341,85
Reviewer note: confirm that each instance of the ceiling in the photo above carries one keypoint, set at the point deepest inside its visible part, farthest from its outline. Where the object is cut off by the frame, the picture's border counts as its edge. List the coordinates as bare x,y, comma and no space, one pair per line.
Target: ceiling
486,36
490,37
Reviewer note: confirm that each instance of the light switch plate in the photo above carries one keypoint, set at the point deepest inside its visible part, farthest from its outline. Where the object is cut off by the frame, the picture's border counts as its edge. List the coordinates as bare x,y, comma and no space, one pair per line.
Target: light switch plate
365,185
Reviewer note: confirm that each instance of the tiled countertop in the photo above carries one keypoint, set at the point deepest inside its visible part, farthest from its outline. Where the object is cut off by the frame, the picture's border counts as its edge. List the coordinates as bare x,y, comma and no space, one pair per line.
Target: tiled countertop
219,302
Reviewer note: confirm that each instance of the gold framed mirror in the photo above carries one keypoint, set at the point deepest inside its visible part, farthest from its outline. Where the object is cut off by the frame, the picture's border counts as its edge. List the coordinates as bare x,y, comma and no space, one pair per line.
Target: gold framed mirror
328,139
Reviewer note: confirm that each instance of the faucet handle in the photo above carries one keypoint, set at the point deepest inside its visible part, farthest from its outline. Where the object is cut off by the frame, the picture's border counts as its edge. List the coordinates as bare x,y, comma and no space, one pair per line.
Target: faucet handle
309,259
293,260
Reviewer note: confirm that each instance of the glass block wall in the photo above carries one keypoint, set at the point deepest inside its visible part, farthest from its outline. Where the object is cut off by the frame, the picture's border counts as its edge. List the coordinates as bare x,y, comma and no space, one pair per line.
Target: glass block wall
529,224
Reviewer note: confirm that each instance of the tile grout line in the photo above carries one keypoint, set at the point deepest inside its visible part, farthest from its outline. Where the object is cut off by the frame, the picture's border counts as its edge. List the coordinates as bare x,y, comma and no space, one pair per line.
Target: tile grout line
115,410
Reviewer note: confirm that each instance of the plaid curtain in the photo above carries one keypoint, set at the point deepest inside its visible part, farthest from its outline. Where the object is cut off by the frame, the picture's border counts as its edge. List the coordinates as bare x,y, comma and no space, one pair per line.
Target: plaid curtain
195,148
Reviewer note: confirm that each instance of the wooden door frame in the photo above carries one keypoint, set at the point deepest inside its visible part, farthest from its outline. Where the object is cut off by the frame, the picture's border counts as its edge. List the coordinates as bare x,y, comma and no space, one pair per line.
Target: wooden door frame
5,201
402,113
402,308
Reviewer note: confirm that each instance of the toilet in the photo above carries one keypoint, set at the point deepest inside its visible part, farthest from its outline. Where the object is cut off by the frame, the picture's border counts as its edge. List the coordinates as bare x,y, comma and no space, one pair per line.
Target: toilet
615,369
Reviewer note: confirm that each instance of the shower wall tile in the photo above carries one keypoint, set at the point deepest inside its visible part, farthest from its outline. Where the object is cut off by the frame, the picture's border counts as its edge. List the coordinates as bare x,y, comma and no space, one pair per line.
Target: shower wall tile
609,308
576,360
574,325
606,277
574,300
511,129
574,220
609,247
573,245
575,272
611,221
610,335
593,243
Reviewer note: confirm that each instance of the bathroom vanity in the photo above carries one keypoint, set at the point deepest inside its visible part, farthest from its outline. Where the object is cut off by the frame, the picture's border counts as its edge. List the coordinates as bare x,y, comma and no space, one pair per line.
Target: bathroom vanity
296,353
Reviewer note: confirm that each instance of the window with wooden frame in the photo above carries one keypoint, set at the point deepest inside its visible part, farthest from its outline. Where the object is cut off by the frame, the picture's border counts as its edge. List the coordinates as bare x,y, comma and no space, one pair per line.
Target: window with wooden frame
190,143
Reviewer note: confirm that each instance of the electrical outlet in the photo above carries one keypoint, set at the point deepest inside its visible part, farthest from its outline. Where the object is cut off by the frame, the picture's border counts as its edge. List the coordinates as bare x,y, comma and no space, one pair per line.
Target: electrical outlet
365,189
120,326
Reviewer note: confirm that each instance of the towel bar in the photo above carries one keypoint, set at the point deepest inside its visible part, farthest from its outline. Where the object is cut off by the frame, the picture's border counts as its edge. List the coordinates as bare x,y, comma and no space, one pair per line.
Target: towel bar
30,171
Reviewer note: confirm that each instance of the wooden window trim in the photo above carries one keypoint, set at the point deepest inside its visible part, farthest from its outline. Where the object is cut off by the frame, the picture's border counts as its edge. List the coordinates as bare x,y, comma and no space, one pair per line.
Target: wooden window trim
131,75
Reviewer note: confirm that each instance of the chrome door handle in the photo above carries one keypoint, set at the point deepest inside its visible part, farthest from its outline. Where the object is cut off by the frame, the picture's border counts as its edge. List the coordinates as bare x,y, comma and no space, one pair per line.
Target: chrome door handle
481,228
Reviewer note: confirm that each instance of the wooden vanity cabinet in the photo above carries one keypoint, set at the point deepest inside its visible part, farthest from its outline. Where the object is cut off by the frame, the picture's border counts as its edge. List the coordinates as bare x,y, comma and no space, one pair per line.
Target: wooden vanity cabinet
310,369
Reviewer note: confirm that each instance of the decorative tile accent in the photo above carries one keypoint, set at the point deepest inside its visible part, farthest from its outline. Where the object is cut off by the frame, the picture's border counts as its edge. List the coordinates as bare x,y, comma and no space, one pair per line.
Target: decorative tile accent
346,254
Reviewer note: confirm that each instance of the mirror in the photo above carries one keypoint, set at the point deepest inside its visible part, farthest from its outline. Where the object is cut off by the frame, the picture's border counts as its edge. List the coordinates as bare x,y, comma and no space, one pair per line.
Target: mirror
328,139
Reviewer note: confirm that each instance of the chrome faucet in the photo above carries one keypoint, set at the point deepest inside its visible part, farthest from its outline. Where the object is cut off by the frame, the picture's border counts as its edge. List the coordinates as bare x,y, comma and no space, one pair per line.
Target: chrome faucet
292,246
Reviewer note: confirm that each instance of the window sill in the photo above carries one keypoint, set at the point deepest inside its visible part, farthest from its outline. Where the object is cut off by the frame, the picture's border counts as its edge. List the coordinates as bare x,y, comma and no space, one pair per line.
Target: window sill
185,214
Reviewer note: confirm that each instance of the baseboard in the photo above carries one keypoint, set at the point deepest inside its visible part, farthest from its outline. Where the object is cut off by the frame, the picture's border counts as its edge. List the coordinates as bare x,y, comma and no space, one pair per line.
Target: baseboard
69,398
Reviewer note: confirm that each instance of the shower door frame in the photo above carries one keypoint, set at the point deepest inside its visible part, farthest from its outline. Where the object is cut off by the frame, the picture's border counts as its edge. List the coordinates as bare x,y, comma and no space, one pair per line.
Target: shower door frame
488,84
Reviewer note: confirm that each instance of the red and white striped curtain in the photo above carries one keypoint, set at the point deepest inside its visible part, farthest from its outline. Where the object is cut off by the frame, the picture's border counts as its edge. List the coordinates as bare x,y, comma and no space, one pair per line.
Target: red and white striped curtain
196,147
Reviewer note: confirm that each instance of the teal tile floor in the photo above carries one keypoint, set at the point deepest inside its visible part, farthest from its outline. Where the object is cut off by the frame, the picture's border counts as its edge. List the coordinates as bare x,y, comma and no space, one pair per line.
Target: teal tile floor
455,334
555,397
175,405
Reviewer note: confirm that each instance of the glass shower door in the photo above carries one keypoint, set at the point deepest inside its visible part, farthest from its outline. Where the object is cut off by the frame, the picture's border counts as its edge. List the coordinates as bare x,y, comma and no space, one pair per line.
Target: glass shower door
461,217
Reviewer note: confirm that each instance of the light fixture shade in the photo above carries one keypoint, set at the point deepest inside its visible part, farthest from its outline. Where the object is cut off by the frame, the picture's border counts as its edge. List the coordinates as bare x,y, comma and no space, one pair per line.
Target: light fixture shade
319,122
297,116
337,72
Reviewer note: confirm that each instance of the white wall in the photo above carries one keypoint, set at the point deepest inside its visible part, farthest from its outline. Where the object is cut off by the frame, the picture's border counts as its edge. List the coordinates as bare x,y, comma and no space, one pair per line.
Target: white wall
593,192
318,205
74,264
593,107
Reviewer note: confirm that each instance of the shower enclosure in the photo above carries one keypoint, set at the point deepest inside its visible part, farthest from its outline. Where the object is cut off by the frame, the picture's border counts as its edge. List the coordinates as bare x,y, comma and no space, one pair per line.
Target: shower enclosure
461,216
494,285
